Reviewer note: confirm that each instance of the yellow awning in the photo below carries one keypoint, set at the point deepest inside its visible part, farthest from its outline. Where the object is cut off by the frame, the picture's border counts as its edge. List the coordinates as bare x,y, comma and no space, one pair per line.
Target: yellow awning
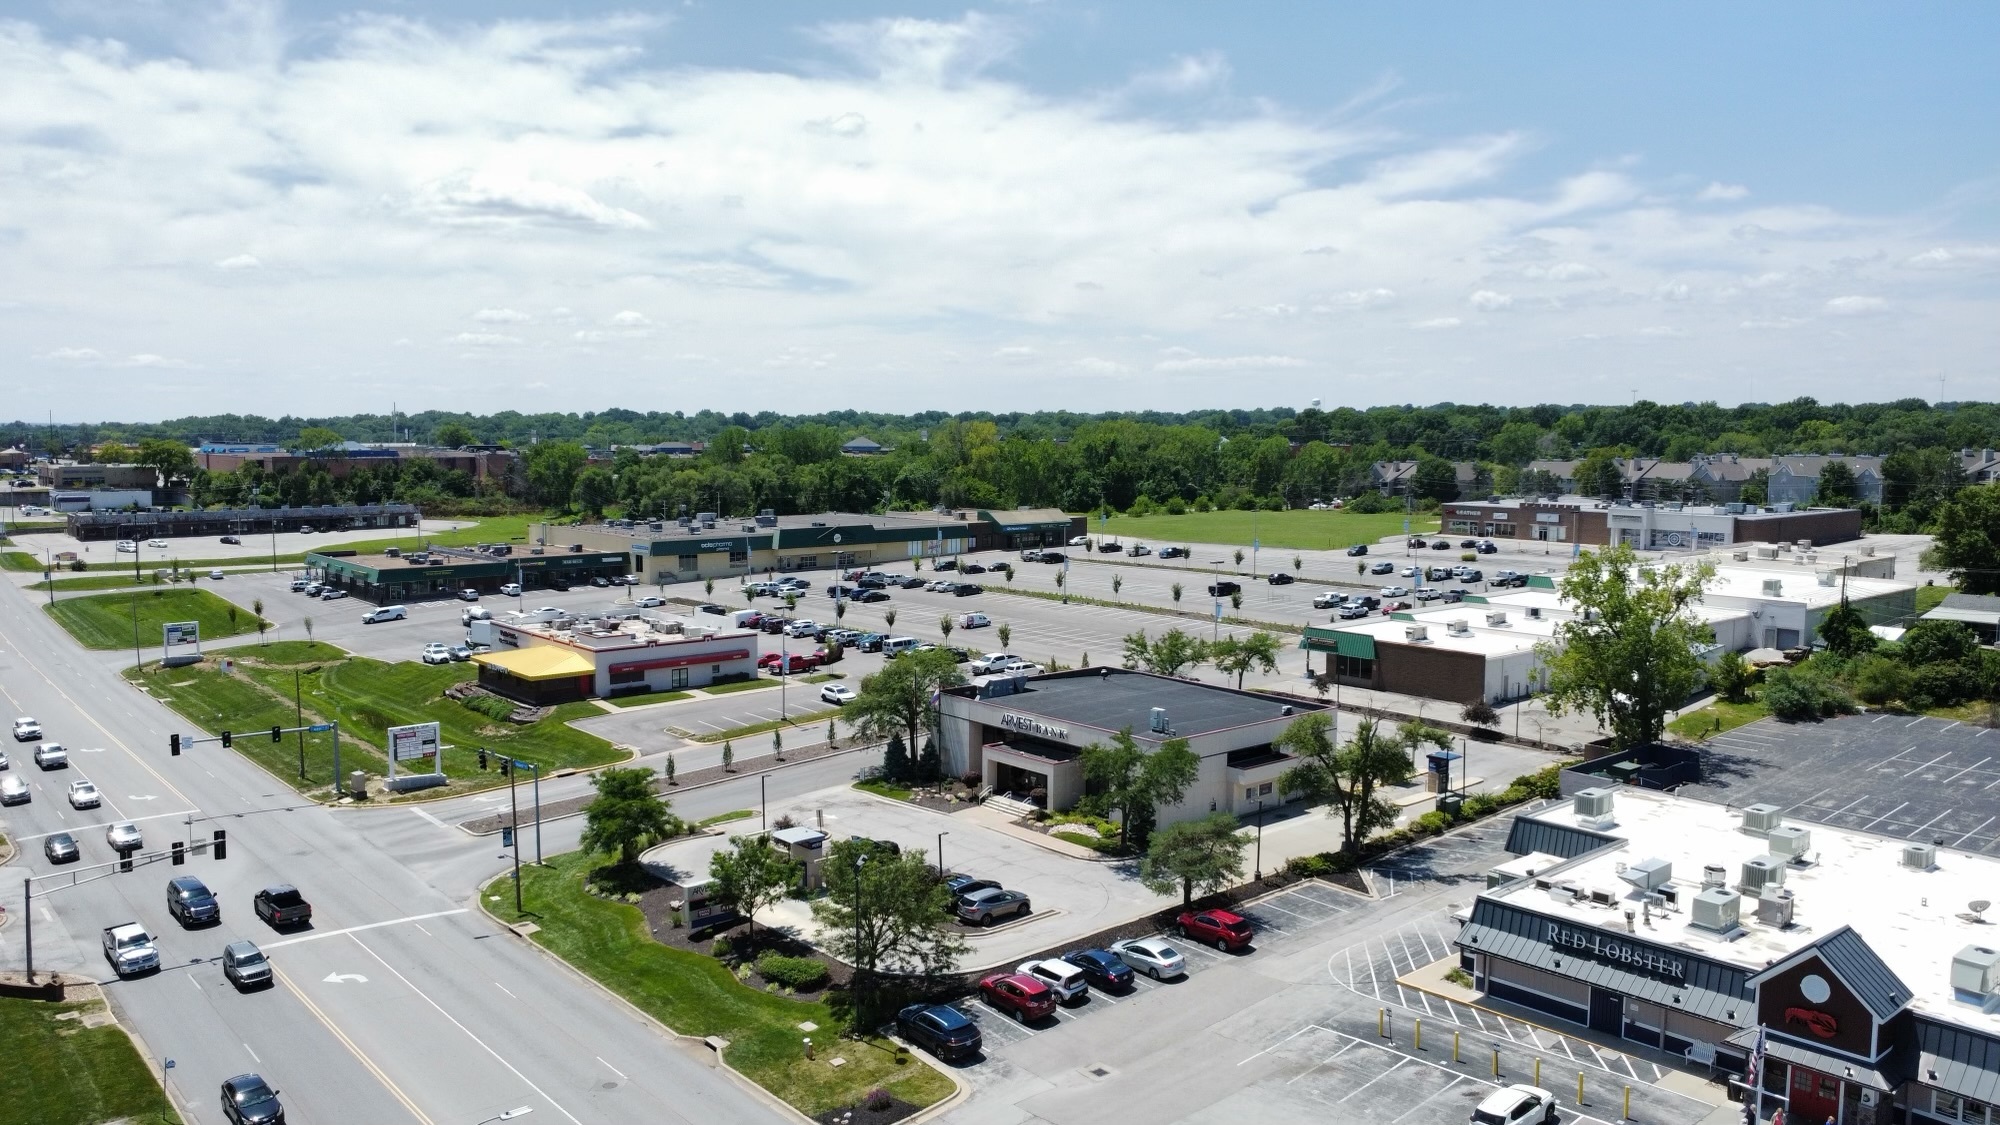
538,662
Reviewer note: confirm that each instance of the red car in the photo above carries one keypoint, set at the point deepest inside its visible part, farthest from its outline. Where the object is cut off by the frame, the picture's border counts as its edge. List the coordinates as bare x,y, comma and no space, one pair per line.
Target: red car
1019,995
1219,928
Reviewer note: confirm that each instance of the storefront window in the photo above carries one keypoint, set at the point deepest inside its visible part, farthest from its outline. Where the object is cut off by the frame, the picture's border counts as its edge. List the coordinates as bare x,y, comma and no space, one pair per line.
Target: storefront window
1946,1105
1353,667
690,563
739,558
1974,1112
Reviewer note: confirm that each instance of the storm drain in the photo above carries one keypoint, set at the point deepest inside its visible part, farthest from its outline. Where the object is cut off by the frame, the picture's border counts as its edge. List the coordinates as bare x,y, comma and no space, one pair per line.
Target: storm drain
1098,1071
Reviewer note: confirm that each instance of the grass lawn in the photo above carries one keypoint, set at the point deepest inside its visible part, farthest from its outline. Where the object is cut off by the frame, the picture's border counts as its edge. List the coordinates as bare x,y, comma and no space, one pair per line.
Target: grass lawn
725,818
1301,529
492,529
882,788
742,685
798,720
19,561
1931,597
67,1074
695,995
642,698
1716,718
365,697
105,620
107,580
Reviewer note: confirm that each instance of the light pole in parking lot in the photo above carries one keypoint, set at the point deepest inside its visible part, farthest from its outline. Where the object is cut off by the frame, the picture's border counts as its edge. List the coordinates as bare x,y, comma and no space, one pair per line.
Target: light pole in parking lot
942,869
1259,876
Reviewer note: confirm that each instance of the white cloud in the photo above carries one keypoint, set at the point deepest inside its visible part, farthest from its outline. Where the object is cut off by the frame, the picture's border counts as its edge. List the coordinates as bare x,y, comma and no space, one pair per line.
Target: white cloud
72,355
239,262
1227,363
500,316
148,359
1856,306
1718,192
1562,271
1674,291
485,339
630,319
1096,365
1486,300
1437,322
1186,74
1948,256
1660,330
1018,353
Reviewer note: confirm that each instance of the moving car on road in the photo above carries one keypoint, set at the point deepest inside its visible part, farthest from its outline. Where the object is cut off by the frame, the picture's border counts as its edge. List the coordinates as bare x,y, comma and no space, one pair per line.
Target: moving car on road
384,613
247,1100
244,965
130,949
190,901
124,836
282,905
52,756
60,847
1280,578
27,730
14,791
84,795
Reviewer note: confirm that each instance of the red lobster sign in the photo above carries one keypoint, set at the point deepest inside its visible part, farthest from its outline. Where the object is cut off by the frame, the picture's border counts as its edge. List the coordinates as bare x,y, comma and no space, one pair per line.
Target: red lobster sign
1819,1023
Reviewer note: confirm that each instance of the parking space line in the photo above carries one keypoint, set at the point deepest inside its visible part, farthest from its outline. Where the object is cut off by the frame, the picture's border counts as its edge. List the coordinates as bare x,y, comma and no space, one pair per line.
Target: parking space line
1288,1039
1268,904
1377,1078
1929,764
1308,1072
1884,816
1966,770
1969,835
1428,955
1455,1080
1563,1042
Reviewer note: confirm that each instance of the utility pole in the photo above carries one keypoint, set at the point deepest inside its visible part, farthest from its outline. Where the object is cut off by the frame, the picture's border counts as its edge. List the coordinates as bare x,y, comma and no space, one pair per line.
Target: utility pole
515,821
299,715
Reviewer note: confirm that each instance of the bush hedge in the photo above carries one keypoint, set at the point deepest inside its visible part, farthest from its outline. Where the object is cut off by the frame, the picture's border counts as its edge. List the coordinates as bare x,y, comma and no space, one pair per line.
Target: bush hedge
798,973
1543,784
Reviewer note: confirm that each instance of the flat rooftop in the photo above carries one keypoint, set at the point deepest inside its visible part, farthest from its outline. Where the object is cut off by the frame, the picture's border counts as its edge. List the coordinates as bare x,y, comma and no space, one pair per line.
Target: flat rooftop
624,628
1914,920
1801,584
748,525
1520,635
1112,699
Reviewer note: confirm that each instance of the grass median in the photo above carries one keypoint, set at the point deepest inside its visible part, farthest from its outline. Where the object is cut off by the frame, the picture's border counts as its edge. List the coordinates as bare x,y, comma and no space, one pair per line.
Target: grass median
754,729
1299,529
365,697
1717,717
19,561
695,995
65,1073
104,621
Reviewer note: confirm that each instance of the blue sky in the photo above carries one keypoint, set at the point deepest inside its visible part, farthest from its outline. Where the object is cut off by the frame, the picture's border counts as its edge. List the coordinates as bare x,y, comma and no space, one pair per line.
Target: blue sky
306,208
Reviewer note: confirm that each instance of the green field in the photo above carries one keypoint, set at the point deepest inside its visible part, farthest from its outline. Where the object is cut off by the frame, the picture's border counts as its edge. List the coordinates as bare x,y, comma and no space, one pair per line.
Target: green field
1298,529
105,620
695,995
69,1074
1931,597
365,697
1717,717
19,561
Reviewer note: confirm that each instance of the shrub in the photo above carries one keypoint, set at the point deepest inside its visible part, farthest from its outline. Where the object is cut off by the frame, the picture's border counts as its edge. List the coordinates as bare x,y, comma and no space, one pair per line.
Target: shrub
720,950
1141,506
1804,693
1203,504
1878,679
491,706
1176,506
1431,823
1481,804
798,973
1246,502
1459,977
1943,685
877,1099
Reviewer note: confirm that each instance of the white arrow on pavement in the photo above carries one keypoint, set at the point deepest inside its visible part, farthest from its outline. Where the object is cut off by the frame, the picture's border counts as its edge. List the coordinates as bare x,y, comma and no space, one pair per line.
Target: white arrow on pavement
147,797
336,978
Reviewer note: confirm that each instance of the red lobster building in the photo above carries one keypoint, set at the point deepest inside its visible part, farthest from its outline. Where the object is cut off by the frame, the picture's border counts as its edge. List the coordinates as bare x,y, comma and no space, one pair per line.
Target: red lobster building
1685,926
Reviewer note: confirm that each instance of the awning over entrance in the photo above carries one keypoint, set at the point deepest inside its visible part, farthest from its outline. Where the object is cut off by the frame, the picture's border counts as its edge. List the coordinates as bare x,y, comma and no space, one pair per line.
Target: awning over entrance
540,662
1359,646
1835,1066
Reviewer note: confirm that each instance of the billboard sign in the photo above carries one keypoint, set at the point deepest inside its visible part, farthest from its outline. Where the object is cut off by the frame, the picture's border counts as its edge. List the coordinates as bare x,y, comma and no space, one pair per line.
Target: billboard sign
181,633
412,742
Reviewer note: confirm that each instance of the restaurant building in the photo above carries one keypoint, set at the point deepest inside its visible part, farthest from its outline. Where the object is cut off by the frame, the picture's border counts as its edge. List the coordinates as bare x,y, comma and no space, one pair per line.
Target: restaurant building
1685,927
548,656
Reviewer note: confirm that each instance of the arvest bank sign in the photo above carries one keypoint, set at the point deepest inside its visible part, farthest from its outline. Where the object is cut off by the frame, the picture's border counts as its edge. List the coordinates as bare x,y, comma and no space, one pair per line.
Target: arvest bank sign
1035,727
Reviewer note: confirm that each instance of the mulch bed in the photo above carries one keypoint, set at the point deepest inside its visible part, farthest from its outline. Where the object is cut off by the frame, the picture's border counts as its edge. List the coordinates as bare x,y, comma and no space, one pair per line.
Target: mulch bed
893,1110
656,903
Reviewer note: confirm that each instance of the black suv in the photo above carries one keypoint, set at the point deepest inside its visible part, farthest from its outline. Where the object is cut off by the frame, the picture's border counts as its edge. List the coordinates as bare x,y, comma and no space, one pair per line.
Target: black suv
1224,589
190,902
1358,549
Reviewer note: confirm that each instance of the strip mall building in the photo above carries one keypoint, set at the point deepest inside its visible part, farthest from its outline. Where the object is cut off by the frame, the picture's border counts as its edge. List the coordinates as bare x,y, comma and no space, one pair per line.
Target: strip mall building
1686,926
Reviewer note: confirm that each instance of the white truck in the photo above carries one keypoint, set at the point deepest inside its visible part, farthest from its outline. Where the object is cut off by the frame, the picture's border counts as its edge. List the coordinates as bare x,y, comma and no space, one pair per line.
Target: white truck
480,632
130,949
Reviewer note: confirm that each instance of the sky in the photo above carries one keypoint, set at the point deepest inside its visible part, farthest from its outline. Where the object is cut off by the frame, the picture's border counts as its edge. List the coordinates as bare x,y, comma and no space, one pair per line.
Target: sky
318,208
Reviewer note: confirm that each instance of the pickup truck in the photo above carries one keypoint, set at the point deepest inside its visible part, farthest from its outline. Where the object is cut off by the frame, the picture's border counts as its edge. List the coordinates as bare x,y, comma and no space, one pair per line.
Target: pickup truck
130,949
282,906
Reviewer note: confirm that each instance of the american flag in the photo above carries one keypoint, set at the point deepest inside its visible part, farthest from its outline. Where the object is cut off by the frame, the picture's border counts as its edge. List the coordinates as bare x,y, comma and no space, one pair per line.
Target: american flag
1753,1077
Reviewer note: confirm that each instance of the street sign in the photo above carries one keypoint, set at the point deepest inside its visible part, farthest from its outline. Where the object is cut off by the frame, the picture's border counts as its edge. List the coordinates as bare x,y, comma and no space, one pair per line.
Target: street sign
316,728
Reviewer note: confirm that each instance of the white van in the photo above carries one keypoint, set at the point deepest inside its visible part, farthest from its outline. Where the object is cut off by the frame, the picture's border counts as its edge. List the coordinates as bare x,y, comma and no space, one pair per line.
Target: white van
511,590
897,646
973,621
384,613
744,618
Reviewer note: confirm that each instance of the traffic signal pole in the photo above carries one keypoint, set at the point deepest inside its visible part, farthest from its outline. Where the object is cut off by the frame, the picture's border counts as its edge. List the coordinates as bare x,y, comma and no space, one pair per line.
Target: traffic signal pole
126,862
177,741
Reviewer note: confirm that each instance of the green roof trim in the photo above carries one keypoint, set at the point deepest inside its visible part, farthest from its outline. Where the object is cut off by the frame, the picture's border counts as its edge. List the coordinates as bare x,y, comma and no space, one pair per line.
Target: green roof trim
1355,645
1541,582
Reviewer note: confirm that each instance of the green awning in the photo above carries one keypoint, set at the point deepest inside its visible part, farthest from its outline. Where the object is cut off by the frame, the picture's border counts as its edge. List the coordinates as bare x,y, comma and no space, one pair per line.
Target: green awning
1359,646
1541,582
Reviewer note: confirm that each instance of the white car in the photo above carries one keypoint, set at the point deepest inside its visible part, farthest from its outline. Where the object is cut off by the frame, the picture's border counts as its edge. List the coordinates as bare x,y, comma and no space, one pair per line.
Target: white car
27,730
215,576
51,755
1411,572
511,590
127,547
800,628
1328,600
468,594
124,837
1154,957
1514,1105
14,791
990,663
1395,592
332,595
1019,667
1065,979
84,795
1077,541
159,543
940,585
650,602
437,653
840,695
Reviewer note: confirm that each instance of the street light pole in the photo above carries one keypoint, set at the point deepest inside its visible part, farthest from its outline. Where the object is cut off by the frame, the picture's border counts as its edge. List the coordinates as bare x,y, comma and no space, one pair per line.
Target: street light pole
859,859
299,715
764,799
1260,841
515,821
942,869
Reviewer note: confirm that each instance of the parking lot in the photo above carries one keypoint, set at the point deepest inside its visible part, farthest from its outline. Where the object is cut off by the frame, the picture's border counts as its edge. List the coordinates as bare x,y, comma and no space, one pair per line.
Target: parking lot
1894,775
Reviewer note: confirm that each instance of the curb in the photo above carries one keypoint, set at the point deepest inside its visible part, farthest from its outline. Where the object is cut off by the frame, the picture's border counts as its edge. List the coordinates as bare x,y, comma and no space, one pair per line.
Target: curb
961,1091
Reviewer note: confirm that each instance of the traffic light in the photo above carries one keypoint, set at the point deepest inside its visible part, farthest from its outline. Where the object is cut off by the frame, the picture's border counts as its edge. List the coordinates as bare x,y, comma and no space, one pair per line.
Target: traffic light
506,767
221,844
277,734
180,853
174,745
225,740
482,757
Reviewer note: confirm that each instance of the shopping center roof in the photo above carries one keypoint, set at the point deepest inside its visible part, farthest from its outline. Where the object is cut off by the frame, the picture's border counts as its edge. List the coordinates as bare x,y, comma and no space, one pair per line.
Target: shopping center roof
1112,699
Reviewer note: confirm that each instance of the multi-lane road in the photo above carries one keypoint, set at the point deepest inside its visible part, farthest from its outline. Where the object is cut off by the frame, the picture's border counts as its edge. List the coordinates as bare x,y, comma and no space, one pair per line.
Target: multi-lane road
402,1003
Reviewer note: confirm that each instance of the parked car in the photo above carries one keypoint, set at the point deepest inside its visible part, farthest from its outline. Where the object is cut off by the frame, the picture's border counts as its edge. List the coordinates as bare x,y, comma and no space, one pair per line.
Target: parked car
1053,556
1487,547
840,695
282,905
963,884
911,582
191,902
868,594
991,662
1438,574
298,585
1019,667
437,653
232,540
1101,968
84,795
1079,541
711,607
1516,1104
1224,589
1454,594
248,1100
601,582
792,582
328,594
1350,611
1395,592
1357,550
1031,554
216,575
967,589
1327,600
800,628
773,623
384,613
157,544
987,906
1471,574
1428,594
124,836
1410,572
1140,550
939,585
794,663
945,564
870,642
837,592
510,590
1062,978
130,949
1154,957
1022,997
468,594
244,965
27,730
1383,567
1441,545
1220,928
60,847
1280,578
1181,552
52,756
973,621
941,1029
649,602
461,653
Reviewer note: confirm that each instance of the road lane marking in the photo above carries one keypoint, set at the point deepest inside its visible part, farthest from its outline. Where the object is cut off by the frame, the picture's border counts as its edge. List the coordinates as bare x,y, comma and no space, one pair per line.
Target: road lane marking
505,989
253,1055
608,1066
425,813
353,1049
303,938
501,1059
109,823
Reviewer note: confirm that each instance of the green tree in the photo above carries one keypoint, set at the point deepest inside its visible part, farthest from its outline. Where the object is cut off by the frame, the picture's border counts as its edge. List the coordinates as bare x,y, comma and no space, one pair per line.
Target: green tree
1599,475
1235,656
552,468
1344,778
728,756
1165,655
114,453
944,625
1236,599
897,700
594,489
896,759
1731,677
1204,855
1845,631
318,439
751,876
899,904
626,815
257,611
671,769
171,459
1175,589
1630,655
1939,642
1134,782
1756,487
1967,545
1006,633
1435,479
1479,713
454,435
1837,486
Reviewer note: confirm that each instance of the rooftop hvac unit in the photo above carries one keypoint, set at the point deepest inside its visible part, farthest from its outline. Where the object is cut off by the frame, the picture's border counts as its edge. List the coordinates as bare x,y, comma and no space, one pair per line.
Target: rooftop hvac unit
1805,544
1740,556
1975,969
1716,910
1760,872
1868,550
1789,842
1920,857
656,525
705,517
1767,552
1648,874
1774,587
1535,611
1417,633
1458,628
1158,721
1498,617
1593,803
1774,907
1810,557
1564,892
1825,577
1714,875
1758,820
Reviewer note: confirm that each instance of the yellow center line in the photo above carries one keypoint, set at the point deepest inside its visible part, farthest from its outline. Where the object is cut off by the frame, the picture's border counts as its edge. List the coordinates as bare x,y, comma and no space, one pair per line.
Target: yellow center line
353,1049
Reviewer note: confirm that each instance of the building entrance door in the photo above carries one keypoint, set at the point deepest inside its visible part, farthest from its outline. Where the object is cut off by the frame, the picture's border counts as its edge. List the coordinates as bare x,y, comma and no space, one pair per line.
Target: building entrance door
1815,1097
1607,1012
